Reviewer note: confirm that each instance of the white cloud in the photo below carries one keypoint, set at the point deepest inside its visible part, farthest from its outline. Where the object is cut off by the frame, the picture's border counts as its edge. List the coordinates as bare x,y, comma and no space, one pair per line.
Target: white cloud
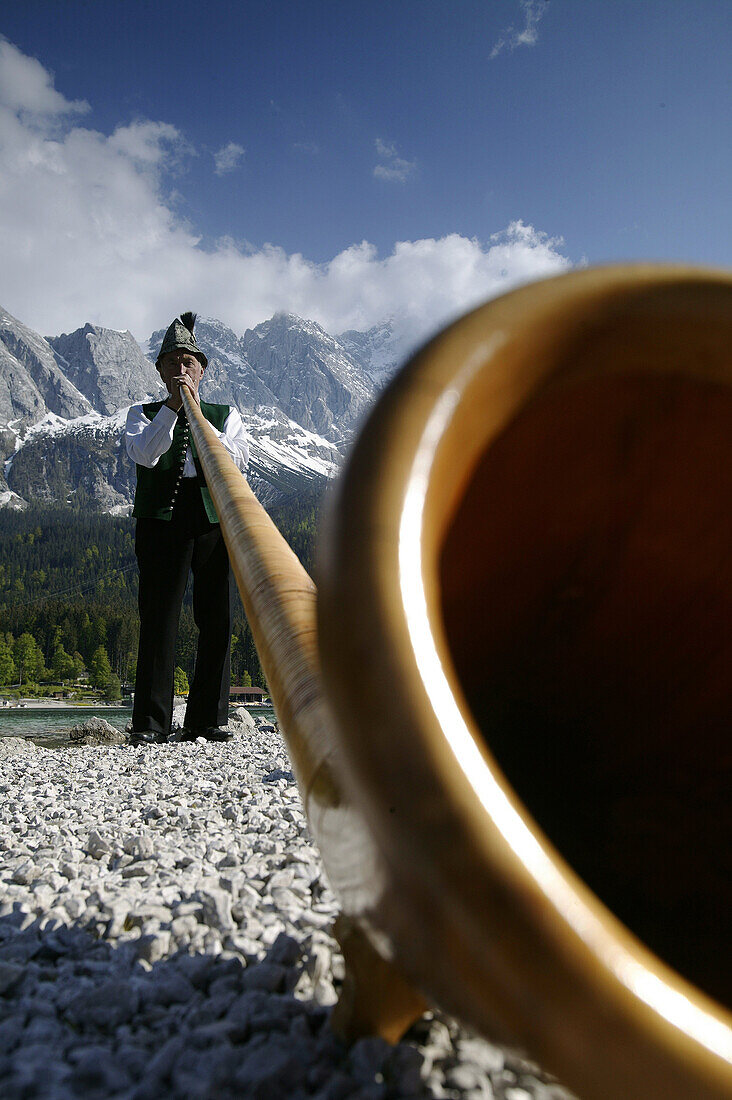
90,234
397,170
394,168
148,143
26,87
228,157
385,148
528,35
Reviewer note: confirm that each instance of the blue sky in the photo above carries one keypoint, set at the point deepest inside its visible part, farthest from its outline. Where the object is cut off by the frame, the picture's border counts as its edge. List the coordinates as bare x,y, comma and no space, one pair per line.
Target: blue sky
350,161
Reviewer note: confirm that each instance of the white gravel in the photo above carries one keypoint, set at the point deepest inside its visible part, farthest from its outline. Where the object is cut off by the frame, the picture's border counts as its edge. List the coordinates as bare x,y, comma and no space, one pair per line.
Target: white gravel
165,932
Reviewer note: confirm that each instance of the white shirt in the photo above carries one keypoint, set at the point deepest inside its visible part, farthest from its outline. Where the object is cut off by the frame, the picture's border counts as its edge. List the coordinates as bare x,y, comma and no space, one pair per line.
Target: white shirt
146,440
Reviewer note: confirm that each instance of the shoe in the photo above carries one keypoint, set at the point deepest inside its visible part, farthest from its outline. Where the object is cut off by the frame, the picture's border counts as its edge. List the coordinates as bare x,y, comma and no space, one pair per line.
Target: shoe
210,733
147,737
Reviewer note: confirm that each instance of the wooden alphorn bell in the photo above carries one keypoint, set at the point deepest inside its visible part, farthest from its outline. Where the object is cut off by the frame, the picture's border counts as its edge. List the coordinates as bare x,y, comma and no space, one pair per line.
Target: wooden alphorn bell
527,567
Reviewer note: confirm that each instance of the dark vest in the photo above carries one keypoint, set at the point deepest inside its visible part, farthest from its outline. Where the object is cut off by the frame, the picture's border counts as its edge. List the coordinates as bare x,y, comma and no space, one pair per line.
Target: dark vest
157,486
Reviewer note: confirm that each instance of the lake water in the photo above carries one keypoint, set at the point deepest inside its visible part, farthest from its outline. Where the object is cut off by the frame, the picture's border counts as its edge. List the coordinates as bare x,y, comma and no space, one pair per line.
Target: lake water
49,726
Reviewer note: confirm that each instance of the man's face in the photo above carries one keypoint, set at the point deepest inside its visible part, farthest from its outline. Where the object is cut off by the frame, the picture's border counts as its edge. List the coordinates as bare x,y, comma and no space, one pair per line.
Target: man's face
176,363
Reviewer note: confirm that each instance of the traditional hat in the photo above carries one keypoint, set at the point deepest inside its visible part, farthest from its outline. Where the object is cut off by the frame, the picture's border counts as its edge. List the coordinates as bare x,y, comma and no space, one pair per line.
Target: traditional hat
180,335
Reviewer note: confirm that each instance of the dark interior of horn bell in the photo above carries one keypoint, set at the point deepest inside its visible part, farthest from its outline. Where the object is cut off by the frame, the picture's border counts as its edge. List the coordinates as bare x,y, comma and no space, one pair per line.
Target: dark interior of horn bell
587,598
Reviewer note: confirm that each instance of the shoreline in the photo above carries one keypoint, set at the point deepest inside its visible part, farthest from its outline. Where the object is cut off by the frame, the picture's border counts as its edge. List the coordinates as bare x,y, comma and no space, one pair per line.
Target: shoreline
59,704
63,704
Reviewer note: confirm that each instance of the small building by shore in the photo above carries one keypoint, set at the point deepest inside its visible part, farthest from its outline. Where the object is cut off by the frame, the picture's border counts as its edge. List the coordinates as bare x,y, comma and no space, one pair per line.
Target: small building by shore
243,695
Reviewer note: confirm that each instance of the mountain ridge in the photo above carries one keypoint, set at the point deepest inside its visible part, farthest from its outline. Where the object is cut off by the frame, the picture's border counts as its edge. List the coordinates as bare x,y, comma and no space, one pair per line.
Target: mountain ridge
63,399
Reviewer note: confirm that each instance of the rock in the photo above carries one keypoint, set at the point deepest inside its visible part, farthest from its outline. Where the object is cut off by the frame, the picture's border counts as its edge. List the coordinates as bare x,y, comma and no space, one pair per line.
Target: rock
25,873
269,1071
107,366
96,1069
467,1077
97,846
154,946
96,731
104,1007
489,1057
241,714
367,1056
75,907
269,977
285,950
10,974
16,746
318,962
139,846
217,909
32,381
23,946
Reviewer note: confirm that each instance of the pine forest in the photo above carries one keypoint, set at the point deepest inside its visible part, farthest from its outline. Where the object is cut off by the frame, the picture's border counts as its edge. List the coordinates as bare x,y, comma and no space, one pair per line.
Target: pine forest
68,597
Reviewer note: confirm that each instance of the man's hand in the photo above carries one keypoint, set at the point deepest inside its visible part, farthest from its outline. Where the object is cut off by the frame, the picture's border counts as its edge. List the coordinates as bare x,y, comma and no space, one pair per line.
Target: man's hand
178,368
175,401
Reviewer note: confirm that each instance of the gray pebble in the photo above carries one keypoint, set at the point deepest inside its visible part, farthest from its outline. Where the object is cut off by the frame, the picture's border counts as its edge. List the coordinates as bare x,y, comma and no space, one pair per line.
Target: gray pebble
103,1007
165,934
10,974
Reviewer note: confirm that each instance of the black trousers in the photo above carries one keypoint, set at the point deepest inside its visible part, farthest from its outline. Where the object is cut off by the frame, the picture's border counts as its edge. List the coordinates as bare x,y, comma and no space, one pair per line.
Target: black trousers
166,552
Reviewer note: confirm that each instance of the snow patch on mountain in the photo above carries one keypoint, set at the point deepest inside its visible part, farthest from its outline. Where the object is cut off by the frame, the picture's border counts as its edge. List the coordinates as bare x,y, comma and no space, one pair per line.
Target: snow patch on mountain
379,351
301,392
9,499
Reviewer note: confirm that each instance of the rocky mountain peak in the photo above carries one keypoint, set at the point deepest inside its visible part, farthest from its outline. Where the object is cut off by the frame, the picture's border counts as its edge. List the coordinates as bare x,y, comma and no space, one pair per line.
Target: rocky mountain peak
106,365
301,392
288,363
313,377
32,382
378,351
283,322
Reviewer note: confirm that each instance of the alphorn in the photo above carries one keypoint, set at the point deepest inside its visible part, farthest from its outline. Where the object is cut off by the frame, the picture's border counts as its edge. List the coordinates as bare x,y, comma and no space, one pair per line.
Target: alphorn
508,709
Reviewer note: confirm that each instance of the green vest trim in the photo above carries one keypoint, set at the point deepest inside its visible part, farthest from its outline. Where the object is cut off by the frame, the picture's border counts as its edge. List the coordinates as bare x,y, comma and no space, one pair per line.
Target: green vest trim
155,492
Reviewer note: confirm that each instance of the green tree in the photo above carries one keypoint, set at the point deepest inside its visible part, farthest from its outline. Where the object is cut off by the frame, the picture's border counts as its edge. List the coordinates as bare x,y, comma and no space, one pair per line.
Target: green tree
28,658
79,666
99,668
180,682
113,688
67,632
7,664
62,665
122,633
246,679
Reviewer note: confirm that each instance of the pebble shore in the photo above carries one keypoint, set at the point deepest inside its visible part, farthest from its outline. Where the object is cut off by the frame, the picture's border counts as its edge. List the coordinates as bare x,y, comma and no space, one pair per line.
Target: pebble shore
165,932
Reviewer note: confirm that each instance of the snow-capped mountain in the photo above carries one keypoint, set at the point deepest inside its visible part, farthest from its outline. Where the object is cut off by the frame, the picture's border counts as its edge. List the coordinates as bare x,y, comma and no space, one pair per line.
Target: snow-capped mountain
317,383
56,459
285,363
63,403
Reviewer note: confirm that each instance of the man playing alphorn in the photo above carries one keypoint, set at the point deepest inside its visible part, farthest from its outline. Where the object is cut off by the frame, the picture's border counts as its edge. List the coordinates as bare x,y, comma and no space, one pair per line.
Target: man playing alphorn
178,532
